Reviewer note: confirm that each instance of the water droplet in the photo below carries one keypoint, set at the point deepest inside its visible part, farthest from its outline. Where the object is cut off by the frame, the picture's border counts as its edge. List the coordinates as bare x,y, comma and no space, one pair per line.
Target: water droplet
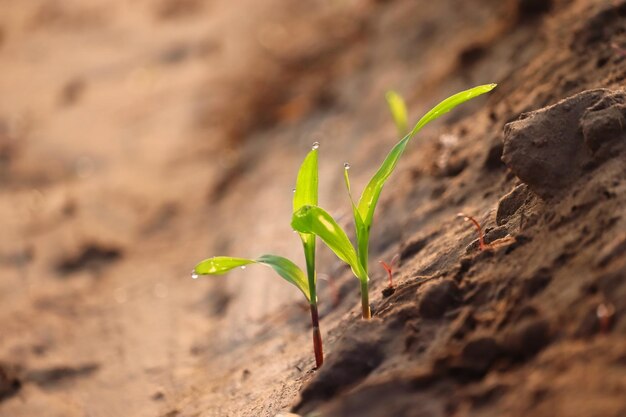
346,166
194,275
294,190
315,145
243,267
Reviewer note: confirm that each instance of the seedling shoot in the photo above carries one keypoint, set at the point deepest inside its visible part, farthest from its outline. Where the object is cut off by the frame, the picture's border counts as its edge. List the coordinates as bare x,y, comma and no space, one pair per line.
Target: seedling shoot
388,267
313,219
482,245
305,193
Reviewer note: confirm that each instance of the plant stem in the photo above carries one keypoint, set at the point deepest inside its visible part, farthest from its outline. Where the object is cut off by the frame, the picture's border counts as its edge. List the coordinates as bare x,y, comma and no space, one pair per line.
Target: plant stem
317,337
365,300
309,251
481,237
363,251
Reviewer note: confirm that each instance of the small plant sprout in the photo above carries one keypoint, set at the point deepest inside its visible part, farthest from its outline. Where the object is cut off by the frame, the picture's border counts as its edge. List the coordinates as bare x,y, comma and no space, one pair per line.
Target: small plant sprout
482,245
388,267
397,107
305,194
313,219
481,236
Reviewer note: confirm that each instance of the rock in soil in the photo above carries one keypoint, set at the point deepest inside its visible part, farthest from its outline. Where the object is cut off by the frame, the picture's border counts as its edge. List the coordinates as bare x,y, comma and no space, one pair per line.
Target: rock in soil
551,148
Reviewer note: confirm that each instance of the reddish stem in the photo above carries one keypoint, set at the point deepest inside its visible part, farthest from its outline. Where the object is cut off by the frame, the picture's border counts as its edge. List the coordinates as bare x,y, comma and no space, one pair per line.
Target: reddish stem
481,237
317,337
389,268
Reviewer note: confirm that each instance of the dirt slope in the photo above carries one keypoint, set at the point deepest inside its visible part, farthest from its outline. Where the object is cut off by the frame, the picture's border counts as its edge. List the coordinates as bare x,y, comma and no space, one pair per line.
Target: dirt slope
136,139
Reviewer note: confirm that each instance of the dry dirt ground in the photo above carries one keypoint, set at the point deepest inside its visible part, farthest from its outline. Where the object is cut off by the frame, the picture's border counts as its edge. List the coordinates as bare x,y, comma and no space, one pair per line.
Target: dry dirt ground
137,138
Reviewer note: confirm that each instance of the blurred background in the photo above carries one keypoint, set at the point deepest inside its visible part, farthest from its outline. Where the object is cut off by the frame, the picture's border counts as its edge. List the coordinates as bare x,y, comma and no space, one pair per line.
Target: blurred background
137,138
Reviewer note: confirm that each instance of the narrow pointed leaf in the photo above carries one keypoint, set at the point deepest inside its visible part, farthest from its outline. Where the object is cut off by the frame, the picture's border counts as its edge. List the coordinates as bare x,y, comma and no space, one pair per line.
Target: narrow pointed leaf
306,182
450,103
397,107
219,265
289,271
313,219
371,193
362,233
355,211
306,194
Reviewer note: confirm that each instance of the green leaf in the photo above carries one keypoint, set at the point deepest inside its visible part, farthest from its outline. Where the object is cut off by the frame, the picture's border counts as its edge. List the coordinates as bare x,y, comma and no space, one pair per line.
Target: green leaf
306,194
397,107
313,219
371,193
355,211
450,103
362,233
289,271
306,182
219,265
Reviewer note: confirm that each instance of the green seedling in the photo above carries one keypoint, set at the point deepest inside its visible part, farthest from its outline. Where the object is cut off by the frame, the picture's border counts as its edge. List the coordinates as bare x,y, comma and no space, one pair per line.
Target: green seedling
305,194
315,220
397,107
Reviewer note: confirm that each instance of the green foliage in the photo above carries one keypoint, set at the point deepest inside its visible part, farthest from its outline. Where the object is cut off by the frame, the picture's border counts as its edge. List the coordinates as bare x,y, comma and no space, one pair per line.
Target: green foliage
313,219
371,193
397,107
289,271
305,193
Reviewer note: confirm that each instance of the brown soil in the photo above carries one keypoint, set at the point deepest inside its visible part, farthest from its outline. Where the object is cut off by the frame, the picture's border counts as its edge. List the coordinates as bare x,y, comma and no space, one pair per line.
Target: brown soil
137,138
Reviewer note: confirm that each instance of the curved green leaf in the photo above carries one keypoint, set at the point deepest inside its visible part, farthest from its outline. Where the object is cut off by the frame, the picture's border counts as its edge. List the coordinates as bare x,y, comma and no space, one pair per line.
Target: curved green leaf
313,219
371,193
397,107
289,271
450,103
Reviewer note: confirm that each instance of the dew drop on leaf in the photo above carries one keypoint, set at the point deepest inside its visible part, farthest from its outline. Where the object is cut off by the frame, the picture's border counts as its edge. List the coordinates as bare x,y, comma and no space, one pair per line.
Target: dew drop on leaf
315,145
243,267
346,166
194,275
